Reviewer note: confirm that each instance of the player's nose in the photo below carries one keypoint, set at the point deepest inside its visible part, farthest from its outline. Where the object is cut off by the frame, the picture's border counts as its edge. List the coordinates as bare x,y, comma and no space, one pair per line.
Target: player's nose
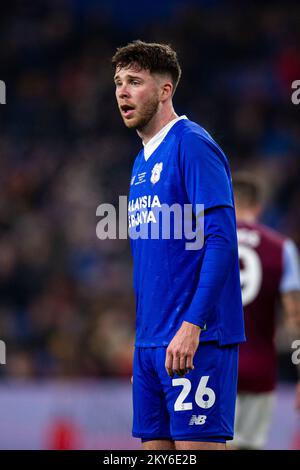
122,91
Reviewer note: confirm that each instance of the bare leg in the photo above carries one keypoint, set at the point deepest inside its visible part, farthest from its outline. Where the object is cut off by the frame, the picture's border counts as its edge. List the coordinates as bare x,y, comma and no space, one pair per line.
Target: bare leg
191,445
158,445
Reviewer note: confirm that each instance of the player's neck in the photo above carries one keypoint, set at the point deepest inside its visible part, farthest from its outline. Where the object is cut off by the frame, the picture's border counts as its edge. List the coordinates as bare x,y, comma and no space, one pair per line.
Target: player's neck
159,120
243,215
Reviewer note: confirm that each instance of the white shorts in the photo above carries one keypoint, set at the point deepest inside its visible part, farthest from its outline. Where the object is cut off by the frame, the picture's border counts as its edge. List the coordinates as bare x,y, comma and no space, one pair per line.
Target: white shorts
252,419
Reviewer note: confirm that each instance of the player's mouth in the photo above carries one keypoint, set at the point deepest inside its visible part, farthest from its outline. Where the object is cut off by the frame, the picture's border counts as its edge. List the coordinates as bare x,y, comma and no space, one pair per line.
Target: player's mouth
127,110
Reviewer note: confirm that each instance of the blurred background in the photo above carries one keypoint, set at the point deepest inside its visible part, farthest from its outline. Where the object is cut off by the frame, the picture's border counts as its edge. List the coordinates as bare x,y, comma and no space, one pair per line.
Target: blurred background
66,300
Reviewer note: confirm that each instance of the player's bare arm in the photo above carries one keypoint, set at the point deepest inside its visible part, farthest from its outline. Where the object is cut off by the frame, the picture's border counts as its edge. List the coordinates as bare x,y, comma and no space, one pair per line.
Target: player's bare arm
291,306
181,350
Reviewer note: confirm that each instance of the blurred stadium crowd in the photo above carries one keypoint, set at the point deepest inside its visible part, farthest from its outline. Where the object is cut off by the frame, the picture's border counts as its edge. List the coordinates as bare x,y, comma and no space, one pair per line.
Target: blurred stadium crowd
66,301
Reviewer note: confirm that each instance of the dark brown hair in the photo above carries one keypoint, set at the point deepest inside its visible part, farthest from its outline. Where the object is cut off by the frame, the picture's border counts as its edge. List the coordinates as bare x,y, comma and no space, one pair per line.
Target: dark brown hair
157,58
247,189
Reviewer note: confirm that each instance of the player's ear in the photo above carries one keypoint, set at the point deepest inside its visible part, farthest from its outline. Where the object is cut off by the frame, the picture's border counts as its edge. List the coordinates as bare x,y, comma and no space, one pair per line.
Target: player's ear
166,90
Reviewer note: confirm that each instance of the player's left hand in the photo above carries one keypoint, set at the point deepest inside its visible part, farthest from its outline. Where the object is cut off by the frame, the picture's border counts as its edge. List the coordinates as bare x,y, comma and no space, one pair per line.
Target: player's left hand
181,350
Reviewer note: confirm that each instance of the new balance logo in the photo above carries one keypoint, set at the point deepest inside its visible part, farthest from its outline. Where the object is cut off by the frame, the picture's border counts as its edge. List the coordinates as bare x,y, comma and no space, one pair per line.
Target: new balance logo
197,419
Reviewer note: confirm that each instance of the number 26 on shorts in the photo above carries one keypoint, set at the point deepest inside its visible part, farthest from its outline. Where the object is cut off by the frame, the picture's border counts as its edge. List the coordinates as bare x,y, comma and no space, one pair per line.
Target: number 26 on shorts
202,390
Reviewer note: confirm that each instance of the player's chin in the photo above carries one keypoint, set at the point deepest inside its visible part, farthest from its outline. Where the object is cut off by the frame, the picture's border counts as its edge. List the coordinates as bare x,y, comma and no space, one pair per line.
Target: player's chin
130,123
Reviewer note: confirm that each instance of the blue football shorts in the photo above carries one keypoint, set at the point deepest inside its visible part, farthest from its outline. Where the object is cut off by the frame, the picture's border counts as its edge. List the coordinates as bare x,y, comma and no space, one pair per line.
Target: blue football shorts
197,407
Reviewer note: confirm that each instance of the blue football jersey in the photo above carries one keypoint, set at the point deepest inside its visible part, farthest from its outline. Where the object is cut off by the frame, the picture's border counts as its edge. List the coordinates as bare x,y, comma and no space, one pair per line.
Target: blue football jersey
188,168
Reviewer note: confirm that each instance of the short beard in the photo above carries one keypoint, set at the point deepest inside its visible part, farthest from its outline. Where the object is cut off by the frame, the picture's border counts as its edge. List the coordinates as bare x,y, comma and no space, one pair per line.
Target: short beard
149,110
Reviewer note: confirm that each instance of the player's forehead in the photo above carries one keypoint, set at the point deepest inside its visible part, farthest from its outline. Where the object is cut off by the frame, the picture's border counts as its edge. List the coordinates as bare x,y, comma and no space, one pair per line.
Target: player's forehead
130,71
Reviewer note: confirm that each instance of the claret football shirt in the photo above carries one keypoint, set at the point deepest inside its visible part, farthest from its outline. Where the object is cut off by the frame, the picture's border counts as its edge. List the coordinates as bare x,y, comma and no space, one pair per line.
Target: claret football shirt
186,168
269,268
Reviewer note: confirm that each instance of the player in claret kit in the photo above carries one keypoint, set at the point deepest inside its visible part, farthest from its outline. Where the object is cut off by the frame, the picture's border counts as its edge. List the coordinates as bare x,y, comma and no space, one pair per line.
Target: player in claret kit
269,272
183,295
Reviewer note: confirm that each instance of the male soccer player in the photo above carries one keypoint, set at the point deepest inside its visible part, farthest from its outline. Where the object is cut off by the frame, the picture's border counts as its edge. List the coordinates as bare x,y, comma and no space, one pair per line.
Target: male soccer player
269,271
180,292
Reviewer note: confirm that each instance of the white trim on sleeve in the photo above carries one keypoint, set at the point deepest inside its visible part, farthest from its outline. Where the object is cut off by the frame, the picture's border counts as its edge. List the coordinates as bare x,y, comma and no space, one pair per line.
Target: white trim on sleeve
290,280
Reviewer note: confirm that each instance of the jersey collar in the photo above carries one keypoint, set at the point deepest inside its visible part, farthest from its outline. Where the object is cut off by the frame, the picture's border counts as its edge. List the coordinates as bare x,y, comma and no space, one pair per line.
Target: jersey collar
157,139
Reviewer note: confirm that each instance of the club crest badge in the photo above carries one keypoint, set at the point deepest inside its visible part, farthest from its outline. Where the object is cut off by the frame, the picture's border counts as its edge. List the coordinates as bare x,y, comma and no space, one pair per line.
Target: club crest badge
156,171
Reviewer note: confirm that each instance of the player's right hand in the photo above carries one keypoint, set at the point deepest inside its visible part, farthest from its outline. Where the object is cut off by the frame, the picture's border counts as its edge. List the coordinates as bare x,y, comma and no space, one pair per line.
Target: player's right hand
181,350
